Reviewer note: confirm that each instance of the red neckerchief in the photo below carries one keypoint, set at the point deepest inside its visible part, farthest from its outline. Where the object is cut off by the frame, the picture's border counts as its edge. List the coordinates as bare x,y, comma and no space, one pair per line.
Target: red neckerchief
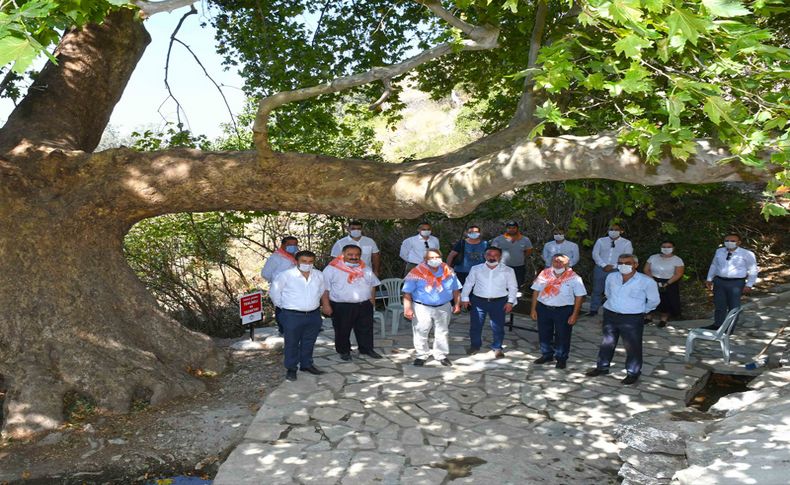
423,272
285,254
353,273
553,282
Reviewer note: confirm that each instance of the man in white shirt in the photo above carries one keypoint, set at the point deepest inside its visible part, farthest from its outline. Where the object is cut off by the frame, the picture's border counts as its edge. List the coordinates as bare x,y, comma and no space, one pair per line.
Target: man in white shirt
351,290
280,260
556,303
490,289
605,253
732,273
413,249
560,245
299,292
370,251
629,296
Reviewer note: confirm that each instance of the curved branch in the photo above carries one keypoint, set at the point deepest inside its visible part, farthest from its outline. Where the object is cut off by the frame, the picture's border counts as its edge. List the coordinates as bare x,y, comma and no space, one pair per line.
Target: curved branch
387,82
152,183
480,38
526,105
170,95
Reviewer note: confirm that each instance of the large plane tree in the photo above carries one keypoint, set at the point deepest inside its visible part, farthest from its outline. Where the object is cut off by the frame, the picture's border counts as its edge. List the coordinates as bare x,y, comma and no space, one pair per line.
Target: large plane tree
646,91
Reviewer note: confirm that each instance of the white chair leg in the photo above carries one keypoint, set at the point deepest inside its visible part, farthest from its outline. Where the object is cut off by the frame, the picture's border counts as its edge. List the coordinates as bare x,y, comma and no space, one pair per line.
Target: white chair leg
395,322
725,349
689,348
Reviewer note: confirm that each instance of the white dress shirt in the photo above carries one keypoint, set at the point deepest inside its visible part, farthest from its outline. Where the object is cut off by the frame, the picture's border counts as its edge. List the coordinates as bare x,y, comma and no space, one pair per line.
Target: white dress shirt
662,267
292,291
340,290
566,247
604,254
365,243
412,250
275,265
569,290
491,283
742,264
638,295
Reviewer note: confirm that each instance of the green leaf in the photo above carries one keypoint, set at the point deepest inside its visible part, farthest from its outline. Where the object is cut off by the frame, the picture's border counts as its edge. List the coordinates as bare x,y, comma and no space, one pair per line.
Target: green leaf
772,209
631,45
686,25
725,8
717,108
512,5
625,11
19,51
654,6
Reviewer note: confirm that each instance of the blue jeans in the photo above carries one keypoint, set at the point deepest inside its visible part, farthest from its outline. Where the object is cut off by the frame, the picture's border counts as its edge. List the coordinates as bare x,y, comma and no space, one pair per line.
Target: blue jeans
300,332
630,327
477,315
726,296
554,332
599,284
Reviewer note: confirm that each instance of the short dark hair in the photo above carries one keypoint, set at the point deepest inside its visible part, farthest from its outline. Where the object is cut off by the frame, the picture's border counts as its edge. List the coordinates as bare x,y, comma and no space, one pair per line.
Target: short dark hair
473,227
734,234
304,252
288,238
667,241
494,248
351,246
354,223
558,229
424,223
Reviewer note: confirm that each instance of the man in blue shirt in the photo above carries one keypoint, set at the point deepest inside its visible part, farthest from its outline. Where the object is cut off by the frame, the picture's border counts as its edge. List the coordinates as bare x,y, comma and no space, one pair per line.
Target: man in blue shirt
629,296
428,291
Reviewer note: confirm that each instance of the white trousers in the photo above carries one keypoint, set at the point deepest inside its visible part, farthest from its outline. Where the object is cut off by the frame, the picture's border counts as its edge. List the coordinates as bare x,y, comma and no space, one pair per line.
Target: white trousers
425,318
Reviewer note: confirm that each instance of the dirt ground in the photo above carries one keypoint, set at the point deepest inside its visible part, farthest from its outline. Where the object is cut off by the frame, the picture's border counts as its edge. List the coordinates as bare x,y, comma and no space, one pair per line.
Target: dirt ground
185,437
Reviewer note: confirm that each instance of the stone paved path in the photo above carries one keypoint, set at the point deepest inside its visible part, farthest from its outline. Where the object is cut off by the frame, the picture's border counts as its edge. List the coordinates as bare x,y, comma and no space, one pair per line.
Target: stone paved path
482,420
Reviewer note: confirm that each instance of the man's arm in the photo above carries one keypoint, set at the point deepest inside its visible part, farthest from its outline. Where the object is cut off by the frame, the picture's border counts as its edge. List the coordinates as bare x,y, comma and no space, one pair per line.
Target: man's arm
512,287
711,272
375,260
404,250
336,249
408,309
653,298
596,254
577,308
456,301
275,290
533,310
751,271
267,272
467,289
575,256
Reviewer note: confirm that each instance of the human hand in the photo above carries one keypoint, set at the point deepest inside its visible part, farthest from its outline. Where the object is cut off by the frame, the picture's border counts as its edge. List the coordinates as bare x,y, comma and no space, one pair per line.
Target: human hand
709,285
466,304
747,290
408,313
608,268
533,314
572,319
457,308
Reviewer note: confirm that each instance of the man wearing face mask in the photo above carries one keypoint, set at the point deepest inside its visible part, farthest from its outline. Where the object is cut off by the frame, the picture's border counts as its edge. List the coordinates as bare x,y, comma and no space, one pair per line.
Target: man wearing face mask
605,253
490,289
732,273
413,249
351,290
556,303
516,247
370,251
629,297
560,245
467,252
299,292
431,293
282,259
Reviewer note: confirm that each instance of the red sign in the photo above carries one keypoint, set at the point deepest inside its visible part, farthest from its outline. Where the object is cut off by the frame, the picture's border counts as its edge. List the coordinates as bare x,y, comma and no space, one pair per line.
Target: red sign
251,307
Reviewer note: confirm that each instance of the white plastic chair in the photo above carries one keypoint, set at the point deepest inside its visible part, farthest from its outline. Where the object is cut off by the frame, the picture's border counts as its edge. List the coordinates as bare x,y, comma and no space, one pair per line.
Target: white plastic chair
722,335
380,317
391,289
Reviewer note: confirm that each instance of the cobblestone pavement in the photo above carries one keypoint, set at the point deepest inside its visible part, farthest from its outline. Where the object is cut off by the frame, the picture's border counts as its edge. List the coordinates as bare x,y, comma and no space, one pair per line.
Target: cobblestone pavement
481,420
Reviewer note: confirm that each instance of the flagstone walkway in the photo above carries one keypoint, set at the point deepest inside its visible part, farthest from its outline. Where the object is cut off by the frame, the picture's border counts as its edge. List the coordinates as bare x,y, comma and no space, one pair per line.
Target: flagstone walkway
482,420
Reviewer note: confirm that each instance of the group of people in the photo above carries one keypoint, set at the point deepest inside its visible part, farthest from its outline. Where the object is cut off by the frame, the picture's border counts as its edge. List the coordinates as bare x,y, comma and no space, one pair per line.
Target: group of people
484,277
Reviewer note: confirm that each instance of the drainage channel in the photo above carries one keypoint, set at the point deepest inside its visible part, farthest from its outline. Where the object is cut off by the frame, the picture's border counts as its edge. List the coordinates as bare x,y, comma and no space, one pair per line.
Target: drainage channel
718,386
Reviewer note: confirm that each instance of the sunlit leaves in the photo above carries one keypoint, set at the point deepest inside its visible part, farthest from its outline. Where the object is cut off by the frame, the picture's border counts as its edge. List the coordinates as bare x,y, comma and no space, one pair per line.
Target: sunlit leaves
725,8
685,26
631,46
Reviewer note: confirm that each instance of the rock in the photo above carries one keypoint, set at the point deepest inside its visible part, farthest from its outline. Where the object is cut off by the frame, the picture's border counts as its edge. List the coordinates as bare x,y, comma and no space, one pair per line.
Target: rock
634,476
655,465
273,343
735,402
660,431
51,439
247,344
117,441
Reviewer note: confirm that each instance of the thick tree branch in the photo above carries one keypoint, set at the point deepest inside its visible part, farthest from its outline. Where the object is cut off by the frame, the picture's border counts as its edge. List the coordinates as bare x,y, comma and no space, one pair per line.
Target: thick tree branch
480,38
526,105
150,184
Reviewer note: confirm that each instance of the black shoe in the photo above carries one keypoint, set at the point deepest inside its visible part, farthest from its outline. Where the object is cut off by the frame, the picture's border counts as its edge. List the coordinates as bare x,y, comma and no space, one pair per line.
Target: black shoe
372,354
418,362
630,379
346,357
544,359
596,372
662,323
592,314
313,370
290,375
446,362
473,350
560,364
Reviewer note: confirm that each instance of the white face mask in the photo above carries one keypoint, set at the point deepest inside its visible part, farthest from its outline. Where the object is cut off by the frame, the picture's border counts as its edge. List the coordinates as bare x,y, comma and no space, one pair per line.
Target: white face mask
667,250
352,265
492,264
425,233
624,268
355,233
614,234
434,263
473,235
305,268
559,270
730,244
559,237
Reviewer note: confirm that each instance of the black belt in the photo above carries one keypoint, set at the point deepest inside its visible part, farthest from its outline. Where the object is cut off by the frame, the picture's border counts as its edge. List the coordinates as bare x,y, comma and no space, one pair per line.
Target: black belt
349,302
549,306
626,314
300,311
498,298
433,306
731,279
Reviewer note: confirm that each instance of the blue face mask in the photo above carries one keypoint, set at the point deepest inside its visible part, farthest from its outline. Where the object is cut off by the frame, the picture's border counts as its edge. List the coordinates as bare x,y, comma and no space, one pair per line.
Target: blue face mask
292,249
352,265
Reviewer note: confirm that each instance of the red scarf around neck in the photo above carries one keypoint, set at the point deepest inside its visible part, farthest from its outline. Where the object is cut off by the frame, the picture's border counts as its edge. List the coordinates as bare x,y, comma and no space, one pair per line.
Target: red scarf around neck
423,272
285,254
353,273
552,281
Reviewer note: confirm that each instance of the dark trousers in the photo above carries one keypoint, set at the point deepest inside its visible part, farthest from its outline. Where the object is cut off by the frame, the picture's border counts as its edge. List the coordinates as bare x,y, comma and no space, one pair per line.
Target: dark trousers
353,316
495,310
277,311
300,330
599,285
554,332
461,276
726,296
521,272
630,327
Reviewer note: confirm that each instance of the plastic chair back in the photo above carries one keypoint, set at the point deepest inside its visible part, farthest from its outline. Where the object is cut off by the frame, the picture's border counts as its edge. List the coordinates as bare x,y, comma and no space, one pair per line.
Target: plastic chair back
392,288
